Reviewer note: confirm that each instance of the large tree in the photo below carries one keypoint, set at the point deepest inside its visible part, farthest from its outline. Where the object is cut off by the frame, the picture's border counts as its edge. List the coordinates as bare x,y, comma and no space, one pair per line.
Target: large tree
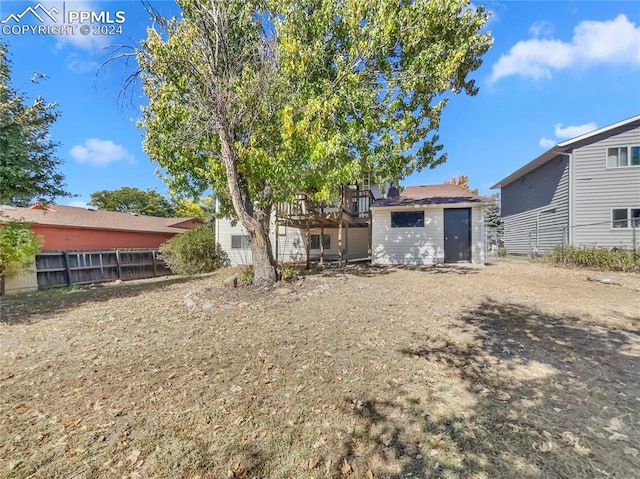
261,100
133,200
28,163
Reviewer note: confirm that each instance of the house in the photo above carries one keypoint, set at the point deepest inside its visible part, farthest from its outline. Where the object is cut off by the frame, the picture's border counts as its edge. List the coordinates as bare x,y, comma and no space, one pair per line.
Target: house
427,225
359,226
91,232
337,230
73,228
584,191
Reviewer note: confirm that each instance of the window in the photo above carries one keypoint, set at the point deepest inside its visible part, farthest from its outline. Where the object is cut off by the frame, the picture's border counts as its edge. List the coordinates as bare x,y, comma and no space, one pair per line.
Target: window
623,156
239,241
315,241
407,219
625,217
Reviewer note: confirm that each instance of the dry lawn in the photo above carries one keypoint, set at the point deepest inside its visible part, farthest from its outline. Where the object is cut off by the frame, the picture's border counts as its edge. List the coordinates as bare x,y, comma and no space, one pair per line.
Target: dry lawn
515,370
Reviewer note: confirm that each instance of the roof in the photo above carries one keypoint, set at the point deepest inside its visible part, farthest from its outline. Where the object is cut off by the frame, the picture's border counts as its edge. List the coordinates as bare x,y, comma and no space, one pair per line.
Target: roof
74,217
430,195
565,148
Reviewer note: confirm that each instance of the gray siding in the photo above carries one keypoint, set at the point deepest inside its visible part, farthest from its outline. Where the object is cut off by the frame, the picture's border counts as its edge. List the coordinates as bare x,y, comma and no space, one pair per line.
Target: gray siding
598,189
535,208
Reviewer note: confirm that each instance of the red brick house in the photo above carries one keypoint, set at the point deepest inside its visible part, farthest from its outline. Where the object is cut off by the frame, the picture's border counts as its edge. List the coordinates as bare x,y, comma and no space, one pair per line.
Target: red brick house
73,228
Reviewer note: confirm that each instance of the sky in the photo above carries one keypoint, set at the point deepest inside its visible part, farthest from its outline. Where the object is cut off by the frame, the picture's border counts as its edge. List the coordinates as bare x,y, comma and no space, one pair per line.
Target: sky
556,70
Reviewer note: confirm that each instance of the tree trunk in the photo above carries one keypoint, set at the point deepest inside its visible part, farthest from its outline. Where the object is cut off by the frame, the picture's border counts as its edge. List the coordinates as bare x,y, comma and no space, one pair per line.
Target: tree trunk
255,221
264,265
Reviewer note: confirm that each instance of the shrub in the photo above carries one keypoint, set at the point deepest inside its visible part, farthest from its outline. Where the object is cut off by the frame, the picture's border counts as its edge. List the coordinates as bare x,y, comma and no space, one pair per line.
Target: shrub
18,245
192,252
616,259
288,273
246,277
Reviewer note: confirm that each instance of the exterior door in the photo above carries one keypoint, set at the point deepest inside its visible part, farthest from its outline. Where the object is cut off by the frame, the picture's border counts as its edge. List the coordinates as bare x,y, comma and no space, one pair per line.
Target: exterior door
457,234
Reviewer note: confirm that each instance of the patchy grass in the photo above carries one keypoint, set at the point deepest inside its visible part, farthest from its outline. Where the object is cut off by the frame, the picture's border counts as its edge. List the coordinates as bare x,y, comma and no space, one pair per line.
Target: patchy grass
514,370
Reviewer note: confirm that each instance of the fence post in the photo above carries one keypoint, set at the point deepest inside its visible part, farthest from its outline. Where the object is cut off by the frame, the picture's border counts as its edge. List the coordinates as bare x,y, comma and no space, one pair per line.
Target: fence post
118,266
67,268
155,268
634,243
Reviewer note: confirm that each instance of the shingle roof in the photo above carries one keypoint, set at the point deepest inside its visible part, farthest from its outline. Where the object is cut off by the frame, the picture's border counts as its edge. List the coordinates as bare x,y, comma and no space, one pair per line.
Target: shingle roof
430,195
71,216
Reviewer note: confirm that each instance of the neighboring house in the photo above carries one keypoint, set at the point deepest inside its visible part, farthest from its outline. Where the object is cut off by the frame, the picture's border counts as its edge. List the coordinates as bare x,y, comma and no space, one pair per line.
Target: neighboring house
359,226
427,225
72,228
337,231
582,191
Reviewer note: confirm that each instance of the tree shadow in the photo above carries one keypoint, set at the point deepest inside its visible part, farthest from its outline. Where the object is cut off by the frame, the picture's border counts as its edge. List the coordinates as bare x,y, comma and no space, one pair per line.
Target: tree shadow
533,394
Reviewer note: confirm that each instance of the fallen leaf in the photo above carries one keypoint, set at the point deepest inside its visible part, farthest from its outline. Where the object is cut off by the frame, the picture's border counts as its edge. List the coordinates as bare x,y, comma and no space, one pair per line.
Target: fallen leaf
346,468
631,451
569,438
546,446
616,436
583,451
132,458
369,474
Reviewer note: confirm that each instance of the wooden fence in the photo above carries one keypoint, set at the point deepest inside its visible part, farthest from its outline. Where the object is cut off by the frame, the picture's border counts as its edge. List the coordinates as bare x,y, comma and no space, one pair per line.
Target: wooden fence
64,268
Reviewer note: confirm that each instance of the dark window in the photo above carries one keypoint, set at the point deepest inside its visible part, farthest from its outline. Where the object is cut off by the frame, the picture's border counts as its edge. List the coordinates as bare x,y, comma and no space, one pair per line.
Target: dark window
239,241
407,219
623,156
315,241
625,217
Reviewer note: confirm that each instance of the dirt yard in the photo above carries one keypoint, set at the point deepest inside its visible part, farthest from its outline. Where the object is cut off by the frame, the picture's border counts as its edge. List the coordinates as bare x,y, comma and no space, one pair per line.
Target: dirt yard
514,370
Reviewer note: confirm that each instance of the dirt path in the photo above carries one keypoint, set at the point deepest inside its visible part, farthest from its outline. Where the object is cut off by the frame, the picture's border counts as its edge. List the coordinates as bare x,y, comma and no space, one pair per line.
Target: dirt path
512,370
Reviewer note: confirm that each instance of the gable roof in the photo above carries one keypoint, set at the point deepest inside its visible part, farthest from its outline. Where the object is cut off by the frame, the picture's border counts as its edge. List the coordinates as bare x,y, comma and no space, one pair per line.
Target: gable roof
430,195
74,217
567,146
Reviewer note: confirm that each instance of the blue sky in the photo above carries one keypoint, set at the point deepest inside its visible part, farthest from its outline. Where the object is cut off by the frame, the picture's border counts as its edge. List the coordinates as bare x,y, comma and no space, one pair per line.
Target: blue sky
556,70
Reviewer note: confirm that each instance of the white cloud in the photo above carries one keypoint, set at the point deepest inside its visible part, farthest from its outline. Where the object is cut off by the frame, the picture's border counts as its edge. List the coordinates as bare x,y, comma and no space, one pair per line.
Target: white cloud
566,132
547,143
608,42
79,65
541,29
562,132
100,152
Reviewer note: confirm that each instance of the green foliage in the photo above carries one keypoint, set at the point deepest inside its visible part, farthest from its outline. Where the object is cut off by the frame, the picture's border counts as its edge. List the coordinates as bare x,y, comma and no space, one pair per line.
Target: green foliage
203,208
288,273
18,245
502,252
192,252
246,276
263,100
28,164
133,200
617,259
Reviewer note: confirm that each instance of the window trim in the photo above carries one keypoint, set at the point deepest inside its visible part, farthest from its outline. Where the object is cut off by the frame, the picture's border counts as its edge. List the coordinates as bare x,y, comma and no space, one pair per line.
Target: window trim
244,241
405,212
628,147
629,218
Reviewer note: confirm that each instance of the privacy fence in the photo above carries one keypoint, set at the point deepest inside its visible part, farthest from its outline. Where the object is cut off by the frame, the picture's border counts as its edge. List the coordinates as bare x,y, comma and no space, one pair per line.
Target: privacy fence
64,268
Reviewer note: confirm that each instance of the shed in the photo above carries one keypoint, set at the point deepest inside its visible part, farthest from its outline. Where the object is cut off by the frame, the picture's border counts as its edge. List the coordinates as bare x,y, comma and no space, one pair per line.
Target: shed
427,225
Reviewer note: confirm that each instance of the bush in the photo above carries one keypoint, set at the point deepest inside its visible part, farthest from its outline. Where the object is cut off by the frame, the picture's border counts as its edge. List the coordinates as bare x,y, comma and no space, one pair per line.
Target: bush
192,252
18,246
616,259
246,277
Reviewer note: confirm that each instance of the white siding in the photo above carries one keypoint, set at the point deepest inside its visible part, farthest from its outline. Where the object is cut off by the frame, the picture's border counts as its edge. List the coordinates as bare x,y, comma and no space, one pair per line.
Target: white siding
597,189
291,243
424,245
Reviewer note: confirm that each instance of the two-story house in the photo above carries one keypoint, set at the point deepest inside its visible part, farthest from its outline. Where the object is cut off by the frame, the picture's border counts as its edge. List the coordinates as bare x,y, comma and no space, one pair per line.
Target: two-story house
584,191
